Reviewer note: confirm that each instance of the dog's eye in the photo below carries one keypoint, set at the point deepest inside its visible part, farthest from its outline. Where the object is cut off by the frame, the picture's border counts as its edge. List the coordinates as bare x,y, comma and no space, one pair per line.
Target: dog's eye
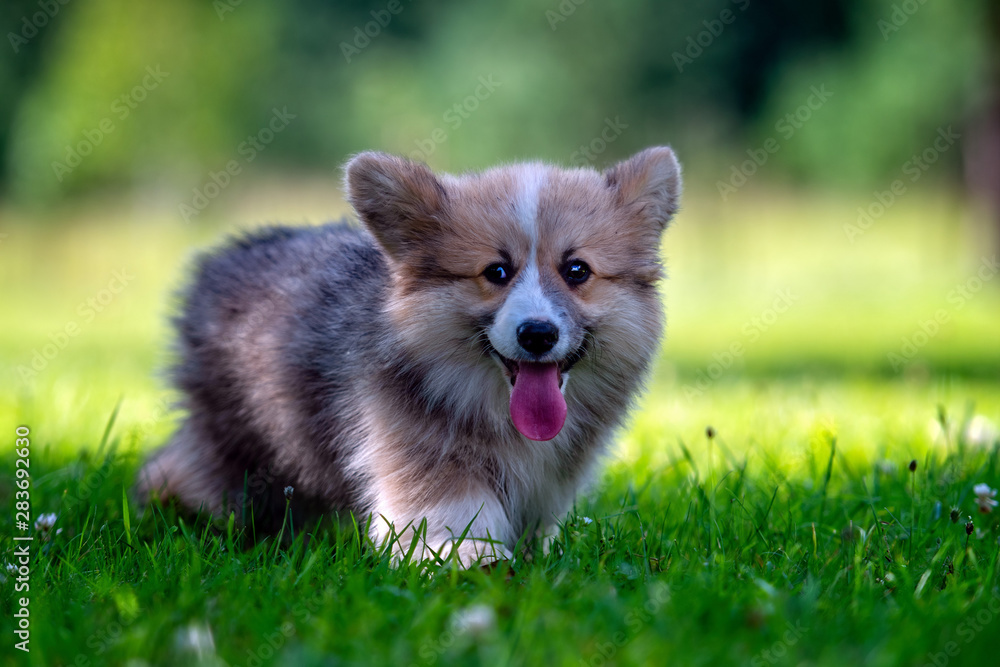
576,272
498,274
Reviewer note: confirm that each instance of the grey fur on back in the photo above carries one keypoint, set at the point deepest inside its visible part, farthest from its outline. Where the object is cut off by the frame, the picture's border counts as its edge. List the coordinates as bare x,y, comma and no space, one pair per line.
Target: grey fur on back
276,327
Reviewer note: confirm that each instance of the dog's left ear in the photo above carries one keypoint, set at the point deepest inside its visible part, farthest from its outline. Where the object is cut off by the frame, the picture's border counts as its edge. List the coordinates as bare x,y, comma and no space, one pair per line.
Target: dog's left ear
648,182
401,202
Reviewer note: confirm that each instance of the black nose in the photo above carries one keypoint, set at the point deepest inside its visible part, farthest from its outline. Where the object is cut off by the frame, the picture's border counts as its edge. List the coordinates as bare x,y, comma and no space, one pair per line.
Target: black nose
537,337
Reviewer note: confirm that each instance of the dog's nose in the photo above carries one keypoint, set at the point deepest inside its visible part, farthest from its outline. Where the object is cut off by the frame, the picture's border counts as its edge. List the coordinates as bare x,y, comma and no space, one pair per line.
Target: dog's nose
537,337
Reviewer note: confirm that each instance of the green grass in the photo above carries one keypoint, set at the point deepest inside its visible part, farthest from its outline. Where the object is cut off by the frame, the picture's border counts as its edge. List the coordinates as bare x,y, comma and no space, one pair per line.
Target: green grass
797,535
697,553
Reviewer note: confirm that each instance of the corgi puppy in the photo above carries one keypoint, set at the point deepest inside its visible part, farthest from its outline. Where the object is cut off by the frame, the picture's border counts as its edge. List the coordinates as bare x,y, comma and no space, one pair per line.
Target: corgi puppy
453,370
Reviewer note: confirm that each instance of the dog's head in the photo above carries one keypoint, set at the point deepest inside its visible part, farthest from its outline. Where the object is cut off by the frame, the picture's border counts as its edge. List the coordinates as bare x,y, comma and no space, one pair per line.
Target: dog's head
507,282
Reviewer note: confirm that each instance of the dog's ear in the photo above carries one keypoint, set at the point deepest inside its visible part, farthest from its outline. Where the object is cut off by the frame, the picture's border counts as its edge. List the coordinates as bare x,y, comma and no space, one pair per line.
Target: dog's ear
401,202
649,182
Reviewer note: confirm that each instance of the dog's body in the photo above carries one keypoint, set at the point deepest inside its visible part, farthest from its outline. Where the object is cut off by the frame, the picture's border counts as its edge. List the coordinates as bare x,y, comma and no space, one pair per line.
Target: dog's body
463,361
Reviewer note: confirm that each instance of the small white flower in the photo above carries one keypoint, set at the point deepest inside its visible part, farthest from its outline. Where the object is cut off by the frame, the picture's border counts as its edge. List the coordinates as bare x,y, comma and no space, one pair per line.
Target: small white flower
586,520
11,568
887,468
44,522
475,620
981,431
985,497
195,638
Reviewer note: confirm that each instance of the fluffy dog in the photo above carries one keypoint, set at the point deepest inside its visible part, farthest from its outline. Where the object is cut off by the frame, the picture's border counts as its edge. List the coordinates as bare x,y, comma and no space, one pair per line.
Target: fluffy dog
457,366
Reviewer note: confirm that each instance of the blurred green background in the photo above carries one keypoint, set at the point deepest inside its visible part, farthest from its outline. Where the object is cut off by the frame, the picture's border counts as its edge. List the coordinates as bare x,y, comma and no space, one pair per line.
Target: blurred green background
842,159
712,77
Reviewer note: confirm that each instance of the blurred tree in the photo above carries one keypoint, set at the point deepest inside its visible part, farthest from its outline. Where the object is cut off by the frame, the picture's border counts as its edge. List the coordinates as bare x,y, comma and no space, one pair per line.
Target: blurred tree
982,144
712,77
912,68
137,92
26,38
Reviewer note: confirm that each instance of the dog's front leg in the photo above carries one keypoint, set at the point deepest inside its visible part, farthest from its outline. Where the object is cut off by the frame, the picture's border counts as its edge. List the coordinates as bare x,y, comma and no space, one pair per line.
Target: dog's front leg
439,523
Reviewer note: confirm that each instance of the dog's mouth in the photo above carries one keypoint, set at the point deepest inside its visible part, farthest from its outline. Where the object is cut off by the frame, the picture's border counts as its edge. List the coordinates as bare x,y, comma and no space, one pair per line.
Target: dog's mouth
537,405
512,367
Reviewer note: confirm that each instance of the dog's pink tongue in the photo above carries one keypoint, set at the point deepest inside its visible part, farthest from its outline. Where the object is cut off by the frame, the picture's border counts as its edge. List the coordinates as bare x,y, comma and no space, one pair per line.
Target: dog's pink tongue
536,404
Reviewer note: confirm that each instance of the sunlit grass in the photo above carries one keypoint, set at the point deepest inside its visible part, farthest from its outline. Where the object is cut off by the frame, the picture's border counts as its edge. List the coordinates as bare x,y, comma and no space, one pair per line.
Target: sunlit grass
799,513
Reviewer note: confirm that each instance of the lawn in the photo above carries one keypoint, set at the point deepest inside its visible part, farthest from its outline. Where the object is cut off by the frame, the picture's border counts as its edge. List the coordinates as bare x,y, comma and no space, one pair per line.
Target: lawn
762,508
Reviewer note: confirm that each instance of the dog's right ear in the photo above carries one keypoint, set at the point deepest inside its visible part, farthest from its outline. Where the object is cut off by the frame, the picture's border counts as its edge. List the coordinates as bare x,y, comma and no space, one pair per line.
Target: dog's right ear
649,182
401,202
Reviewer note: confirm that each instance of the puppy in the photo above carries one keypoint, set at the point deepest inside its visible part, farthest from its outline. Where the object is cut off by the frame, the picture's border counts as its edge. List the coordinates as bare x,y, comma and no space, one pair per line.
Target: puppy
452,371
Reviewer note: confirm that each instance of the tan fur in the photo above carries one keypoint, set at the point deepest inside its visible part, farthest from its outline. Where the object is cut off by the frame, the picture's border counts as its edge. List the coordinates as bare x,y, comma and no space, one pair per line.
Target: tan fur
606,220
